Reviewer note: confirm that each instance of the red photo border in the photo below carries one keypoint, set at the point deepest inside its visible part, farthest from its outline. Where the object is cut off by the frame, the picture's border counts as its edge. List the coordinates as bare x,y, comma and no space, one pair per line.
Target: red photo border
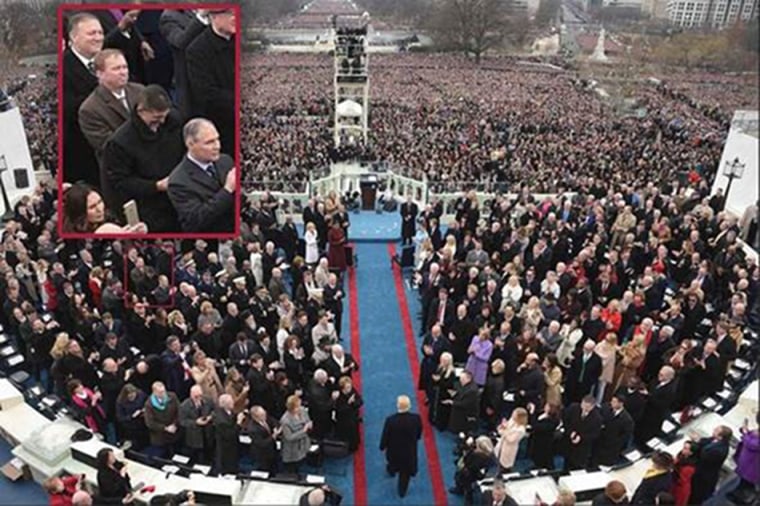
140,245
237,158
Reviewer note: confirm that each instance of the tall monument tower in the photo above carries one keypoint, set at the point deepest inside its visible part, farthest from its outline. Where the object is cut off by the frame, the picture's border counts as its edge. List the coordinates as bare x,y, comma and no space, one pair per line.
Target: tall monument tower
351,79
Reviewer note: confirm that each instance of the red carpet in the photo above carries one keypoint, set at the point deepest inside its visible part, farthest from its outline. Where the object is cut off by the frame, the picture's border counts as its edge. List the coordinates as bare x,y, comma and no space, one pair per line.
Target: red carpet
428,438
360,475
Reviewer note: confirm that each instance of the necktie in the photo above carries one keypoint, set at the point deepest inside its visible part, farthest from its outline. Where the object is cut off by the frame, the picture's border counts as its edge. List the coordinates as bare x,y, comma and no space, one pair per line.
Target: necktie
211,170
91,67
583,368
441,309
123,99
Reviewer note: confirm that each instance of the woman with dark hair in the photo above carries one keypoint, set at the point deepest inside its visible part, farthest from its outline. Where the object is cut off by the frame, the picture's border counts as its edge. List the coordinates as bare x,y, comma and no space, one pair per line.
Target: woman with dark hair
283,389
114,486
683,469
541,442
85,213
87,404
130,421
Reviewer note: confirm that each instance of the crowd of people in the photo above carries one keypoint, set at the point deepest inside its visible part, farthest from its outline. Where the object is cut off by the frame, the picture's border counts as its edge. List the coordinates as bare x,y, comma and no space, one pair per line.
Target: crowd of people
149,151
458,125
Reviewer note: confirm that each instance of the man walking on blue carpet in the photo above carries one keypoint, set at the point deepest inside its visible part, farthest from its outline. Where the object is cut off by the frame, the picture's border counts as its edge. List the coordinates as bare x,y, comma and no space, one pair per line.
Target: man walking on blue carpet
401,433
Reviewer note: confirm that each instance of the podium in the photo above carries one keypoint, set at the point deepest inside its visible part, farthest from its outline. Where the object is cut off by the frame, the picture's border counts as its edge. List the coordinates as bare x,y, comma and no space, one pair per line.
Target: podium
368,185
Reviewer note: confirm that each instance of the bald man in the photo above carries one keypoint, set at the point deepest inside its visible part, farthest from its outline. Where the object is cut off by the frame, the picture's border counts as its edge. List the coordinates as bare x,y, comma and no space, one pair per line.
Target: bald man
399,442
202,187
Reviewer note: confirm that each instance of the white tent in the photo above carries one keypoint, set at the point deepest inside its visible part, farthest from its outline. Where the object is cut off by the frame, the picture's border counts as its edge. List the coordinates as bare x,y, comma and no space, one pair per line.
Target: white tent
349,109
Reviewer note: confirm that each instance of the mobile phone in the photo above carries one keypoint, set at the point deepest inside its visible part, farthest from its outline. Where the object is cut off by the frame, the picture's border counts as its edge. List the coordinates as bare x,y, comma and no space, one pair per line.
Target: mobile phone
130,213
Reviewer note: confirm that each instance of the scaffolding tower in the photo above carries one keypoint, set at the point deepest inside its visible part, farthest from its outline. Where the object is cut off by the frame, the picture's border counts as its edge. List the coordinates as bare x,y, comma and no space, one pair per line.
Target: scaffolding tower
351,79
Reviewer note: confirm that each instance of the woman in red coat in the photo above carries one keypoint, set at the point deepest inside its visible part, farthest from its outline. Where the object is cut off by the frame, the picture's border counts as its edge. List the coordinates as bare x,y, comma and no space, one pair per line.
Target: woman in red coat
61,489
337,252
683,469
88,404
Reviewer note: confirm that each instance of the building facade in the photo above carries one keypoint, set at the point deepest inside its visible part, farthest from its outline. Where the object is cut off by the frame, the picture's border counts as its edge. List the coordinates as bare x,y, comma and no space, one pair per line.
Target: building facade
714,14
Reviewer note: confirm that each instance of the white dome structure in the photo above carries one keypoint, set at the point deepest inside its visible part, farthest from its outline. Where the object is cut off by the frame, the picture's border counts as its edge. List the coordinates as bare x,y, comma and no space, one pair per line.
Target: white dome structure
349,109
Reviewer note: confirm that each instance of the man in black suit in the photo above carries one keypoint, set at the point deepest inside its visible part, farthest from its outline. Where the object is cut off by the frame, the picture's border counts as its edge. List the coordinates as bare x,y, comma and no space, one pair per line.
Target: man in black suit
210,63
465,405
583,426
79,80
320,396
441,312
332,295
409,212
584,373
399,442
530,382
226,430
662,394
180,28
616,432
202,187
264,431
241,351
140,156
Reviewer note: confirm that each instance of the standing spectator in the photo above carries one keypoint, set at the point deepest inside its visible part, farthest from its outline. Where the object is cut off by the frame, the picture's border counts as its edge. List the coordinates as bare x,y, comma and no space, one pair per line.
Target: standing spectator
336,237
583,375
616,432
408,212
130,416
210,60
264,431
401,432
465,405
747,464
659,402
295,425
711,453
226,431
180,28
79,80
683,470
61,490
87,404
162,417
511,432
479,354
347,413
195,418
114,485
543,428
583,426
614,493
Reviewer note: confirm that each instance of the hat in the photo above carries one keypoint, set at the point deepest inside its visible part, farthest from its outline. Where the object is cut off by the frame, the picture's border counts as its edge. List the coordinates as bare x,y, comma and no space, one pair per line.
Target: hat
189,263
240,280
261,287
221,273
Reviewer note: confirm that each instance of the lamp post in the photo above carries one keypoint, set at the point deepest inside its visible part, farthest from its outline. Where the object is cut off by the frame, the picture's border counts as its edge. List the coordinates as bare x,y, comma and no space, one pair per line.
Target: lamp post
733,169
8,214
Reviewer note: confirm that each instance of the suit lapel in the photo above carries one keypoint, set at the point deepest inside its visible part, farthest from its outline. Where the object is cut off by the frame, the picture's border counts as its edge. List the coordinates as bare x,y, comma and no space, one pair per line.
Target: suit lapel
111,103
197,175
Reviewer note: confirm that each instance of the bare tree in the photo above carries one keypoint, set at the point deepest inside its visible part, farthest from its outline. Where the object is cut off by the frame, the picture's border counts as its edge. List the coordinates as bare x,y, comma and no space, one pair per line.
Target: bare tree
472,26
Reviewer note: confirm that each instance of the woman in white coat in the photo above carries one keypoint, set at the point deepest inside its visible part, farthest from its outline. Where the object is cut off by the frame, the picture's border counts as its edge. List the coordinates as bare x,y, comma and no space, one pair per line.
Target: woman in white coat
312,245
511,432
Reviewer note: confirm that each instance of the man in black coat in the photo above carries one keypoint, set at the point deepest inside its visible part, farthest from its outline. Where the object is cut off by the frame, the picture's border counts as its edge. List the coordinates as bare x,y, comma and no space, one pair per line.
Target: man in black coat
180,28
226,430
210,63
332,295
408,212
441,312
583,374
583,426
711,453
79,80
530,383
465,405
264,431
497,496
616,432
662,394
141,154
319,393
399,442
202,187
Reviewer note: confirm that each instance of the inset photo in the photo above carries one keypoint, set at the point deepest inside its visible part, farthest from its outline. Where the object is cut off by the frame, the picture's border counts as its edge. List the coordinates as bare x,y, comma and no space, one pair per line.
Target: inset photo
149,273
148,119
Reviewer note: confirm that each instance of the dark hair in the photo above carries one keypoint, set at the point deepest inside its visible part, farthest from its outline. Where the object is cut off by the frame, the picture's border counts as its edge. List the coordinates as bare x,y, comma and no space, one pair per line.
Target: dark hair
75,209
663,460
102,458
72,385
154,98
552,359
664,498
